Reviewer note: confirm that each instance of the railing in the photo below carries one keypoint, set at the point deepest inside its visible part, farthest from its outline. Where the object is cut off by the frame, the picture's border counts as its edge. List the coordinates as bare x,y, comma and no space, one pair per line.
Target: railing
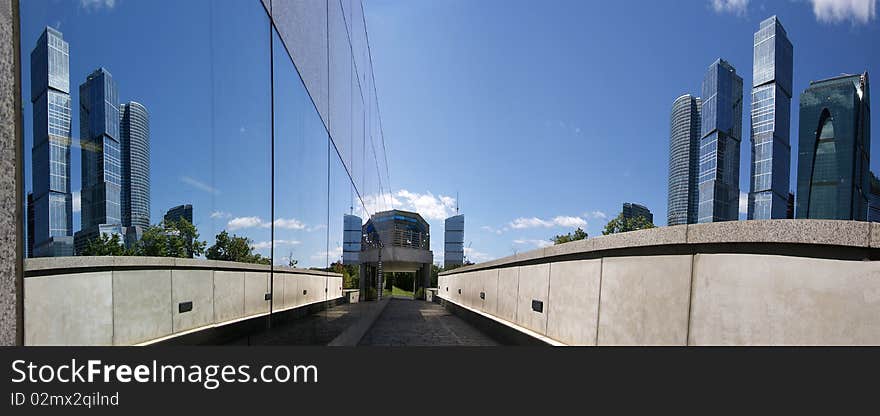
398,238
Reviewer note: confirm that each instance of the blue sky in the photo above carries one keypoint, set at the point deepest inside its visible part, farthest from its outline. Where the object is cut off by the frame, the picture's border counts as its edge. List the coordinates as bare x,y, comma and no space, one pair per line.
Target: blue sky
543,116
540,116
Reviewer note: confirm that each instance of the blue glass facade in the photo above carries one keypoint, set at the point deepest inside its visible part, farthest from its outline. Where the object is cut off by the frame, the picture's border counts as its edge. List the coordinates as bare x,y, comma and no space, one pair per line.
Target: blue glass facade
684,154
721,131
52,210
134,134
834,149
101,167
770,122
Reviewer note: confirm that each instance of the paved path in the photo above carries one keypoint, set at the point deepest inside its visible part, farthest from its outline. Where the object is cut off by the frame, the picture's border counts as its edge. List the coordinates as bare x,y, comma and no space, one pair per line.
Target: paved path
406,322
317,329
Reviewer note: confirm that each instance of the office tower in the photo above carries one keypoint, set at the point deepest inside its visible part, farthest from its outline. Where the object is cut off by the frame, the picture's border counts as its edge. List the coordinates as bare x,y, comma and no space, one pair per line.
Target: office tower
834,149
352,233
178,212
50,97
874,199
101,170
453,238
633,211
684,154
721,131
29,249
134,147
770,122
789,210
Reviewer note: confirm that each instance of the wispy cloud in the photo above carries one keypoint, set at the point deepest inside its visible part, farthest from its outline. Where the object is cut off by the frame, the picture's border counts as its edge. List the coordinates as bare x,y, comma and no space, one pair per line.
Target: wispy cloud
220,215
476,256
254,222
428,205
77,202
836,11
536,243
266,244
535,222
493,230
195,183
91,5
333,254
737,7
598,215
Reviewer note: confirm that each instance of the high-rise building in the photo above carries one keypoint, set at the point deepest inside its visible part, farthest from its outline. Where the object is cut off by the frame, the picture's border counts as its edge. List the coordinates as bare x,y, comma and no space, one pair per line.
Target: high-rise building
352,233
789,210
684,154
181,211
50,97
134,147
101,170
770,122
874,199
721,131
633,211
453,238
29,250
834,149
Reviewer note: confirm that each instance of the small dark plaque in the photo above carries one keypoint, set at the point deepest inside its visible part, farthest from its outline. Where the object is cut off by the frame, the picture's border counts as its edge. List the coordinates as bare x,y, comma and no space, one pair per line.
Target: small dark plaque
326,290
459,291
267,296
447,288
305,291
184,307
538,306
482,295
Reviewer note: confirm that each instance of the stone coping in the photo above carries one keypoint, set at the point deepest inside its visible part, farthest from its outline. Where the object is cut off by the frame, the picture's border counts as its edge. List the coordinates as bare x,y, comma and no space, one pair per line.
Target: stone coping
73,264
856,234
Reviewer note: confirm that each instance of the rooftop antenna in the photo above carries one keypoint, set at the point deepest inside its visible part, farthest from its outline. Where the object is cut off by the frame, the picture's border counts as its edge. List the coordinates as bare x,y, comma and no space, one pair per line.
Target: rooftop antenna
456,202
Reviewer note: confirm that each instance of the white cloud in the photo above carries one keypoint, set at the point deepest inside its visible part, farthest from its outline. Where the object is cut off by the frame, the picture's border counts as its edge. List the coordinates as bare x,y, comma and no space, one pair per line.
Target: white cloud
195,183
428,205
77,202
835,11
737,7
220,214
266,244
492,230
244,222
476,256
559,221
334,254
97,4
536,243
743,203
599,215
253,222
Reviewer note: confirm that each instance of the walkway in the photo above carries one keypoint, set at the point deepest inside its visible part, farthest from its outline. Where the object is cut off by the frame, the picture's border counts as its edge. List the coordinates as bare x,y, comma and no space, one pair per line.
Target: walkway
406,322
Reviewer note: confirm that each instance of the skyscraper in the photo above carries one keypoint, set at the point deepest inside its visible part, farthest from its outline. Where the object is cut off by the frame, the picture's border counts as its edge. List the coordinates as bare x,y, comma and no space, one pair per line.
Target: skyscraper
134,146
101,170
874,199
684,154
50,97
770,122
721,131
453,239
633,211
351,239
178,212
834,149
29,250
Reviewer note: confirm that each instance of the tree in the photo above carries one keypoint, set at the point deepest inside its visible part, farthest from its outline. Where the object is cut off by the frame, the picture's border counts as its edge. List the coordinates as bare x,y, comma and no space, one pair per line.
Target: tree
105,245
234,248
620,224
170,239
350,274
578,234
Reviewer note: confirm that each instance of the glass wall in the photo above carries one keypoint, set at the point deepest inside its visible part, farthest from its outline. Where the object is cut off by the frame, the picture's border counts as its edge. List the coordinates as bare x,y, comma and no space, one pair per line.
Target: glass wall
263,129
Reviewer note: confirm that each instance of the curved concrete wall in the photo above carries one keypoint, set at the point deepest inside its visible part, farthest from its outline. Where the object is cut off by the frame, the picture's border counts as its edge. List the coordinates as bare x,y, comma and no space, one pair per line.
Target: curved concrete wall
707,284
133,300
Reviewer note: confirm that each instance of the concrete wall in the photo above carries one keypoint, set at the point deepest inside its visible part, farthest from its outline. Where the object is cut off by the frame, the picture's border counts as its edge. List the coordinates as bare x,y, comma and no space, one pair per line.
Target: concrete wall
69,303
711,298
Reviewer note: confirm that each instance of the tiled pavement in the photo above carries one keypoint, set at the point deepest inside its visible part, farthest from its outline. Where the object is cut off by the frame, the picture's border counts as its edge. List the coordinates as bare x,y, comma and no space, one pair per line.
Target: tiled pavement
406,322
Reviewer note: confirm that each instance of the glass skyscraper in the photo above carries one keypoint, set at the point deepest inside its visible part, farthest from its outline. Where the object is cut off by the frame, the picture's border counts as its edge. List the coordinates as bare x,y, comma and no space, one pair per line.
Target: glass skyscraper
453,241
50,96
134,146
834,149
721,131
684,153
770,122
101,167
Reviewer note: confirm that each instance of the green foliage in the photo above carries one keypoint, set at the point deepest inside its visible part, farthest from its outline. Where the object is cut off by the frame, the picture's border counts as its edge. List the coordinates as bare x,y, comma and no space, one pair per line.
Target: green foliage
350,274
622,225
105,245
578,234
234,248
170,239
420,293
